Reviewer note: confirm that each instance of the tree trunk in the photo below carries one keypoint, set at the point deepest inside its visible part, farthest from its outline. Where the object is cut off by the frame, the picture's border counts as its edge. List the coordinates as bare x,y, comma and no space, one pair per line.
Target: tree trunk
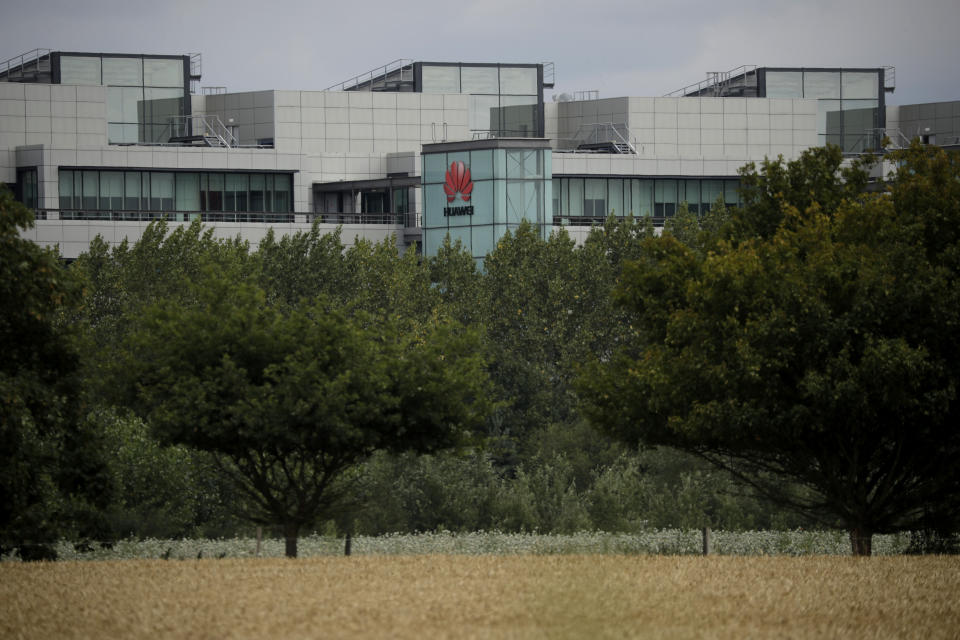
290,533
861,541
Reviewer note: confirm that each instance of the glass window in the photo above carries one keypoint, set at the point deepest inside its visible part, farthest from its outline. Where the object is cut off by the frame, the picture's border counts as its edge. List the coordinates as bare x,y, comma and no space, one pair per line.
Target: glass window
731,195
523,163
821,84
131,199
111,190
518,80
482,240
126,72
79,70
66,189
665,203
689,192
256,192
518,116
440,79
235,192
481,165
595,198
784,84
434,168
641,197
188,192
123,104
575,196
91,189
615,192
859,85
484,113
479,80
710,191
161,191
158,72
281,194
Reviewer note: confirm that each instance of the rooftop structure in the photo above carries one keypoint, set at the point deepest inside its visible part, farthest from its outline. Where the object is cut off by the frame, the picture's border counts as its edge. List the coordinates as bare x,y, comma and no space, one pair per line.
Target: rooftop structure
104,143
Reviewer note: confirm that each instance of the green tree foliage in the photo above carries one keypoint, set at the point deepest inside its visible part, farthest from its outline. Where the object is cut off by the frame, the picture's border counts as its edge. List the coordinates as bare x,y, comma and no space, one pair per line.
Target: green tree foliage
51,478
291,400
816,343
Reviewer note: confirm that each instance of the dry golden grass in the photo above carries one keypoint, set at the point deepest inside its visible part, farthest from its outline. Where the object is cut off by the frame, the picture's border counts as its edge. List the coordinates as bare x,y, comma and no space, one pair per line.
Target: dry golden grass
485,596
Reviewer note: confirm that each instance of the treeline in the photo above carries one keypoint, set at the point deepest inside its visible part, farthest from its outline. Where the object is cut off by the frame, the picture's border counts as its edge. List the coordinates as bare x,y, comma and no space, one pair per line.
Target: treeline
541,308
737,370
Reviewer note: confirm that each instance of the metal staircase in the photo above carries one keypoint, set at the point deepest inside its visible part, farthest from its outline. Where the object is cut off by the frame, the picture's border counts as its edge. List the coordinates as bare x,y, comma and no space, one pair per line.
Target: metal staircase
604,137
201,130
32,66
393,76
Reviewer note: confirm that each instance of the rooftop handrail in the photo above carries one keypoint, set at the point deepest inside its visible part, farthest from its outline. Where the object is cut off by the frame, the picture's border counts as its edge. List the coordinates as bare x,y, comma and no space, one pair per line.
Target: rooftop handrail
712,79
23,59
371,75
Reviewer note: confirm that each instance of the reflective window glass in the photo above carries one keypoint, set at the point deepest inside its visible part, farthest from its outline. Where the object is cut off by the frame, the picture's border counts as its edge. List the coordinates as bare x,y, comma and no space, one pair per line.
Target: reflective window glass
518,116
481,165
440,79
162,72
434,168
484,113
784,84
860,85
595,198
131,190
575,196
615,193
127,72
66,189
111,190
641,197
79,70
188,192
123,104
479,80
821,84
518,80
161,191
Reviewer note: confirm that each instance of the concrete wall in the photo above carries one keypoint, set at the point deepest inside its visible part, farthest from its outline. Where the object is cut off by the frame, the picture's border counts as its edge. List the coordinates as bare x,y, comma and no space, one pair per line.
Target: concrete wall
942,118
688,136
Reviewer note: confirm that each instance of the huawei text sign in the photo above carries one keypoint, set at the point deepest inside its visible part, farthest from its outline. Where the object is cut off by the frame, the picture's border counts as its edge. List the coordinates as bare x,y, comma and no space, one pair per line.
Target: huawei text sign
458,183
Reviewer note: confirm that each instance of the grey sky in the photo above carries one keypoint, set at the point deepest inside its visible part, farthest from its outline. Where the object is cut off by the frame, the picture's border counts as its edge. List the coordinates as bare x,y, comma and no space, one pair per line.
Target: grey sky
620,48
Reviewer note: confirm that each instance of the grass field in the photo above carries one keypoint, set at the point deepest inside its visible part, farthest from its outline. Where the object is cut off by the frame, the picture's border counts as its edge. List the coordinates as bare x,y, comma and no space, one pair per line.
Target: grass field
521,596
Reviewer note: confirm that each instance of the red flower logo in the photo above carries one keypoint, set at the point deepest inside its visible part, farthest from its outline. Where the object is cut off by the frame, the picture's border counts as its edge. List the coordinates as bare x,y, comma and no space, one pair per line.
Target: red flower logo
458,181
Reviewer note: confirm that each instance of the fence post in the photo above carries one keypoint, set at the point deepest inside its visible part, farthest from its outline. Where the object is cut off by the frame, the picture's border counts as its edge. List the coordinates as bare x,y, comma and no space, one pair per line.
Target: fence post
259,538
706,541
346,545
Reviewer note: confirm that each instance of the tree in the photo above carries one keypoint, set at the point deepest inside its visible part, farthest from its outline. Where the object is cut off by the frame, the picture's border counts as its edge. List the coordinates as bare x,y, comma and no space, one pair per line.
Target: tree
815,342
50,471
292,399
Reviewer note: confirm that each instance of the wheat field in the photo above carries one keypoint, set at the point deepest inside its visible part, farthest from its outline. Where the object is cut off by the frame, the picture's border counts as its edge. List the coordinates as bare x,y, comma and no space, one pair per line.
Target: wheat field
438,596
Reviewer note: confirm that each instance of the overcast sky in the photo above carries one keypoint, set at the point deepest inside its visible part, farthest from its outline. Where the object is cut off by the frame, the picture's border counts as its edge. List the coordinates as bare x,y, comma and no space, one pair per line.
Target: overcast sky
642,48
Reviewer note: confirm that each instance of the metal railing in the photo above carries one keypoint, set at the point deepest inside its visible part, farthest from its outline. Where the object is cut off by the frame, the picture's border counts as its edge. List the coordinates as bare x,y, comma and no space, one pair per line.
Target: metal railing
209,127
717,79
403,67
409,220
549,73
117,215
21,61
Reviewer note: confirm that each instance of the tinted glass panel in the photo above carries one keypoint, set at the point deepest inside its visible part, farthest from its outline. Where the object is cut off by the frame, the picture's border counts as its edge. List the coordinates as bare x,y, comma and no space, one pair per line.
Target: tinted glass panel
859,85
163,73
479,80
441,79
518,80
821,84
784,84
484,114
123,72
79,70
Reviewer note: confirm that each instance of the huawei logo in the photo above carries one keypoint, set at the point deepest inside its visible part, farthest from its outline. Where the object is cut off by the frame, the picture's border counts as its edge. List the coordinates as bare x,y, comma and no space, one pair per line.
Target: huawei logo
458,181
